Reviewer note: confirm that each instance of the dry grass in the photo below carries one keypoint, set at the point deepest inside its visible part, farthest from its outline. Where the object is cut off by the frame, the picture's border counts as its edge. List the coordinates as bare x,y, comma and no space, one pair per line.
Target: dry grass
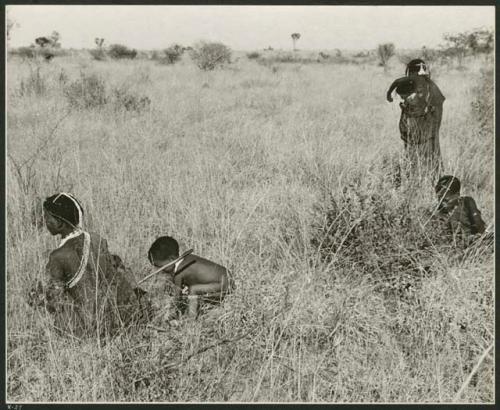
236,164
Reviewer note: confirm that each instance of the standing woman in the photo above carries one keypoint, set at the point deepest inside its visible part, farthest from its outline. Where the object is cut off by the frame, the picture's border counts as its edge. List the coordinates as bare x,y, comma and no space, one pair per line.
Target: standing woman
421,114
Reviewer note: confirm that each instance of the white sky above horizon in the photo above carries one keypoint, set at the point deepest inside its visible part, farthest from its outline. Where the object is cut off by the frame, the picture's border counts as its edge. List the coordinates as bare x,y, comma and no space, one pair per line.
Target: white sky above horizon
247,27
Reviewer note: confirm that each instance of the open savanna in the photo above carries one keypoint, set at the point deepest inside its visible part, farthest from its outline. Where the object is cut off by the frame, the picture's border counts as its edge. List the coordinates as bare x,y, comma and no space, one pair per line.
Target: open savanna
238,164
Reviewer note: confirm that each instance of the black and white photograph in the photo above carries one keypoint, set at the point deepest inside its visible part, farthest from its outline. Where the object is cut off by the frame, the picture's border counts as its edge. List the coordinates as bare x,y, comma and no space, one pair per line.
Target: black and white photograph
249,204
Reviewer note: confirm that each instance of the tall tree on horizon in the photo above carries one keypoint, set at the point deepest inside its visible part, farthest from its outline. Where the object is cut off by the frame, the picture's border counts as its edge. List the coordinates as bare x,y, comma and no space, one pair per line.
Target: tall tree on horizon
295,37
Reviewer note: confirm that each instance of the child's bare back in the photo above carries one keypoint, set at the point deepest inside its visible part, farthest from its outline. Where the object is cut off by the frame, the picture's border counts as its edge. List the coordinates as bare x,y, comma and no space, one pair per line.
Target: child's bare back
193,277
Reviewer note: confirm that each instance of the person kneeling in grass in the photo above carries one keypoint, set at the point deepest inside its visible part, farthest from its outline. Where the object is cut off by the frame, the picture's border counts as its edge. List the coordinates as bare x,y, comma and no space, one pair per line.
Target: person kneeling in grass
461,214
89,291
194,277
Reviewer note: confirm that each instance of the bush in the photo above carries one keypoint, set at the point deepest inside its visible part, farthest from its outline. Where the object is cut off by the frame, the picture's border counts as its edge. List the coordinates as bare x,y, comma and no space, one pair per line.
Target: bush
170,55
385,52
119,51
253,55
47,53
286,58
483,103
34,83
124,99
384,233
209,56
362,54
24,52
89,91
98,54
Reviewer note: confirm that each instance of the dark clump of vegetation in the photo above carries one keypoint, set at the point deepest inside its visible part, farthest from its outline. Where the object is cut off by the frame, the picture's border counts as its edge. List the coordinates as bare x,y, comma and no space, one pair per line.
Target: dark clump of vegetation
89,91
209,56
98,54
34,83
385,52
482,105
381,232
129,101
253,55
119,51
286,58
26,53
170,55
32,52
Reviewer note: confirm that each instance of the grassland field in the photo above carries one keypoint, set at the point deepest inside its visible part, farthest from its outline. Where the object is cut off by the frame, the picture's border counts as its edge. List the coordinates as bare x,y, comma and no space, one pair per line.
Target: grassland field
236,163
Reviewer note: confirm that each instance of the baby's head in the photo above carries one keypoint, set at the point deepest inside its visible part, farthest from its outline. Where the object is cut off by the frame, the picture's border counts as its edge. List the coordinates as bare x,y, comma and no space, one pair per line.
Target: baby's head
163,250
447,190
62,213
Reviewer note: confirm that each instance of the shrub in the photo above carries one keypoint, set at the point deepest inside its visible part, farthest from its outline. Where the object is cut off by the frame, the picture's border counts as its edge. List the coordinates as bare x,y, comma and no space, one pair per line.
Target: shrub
34,83
98,54
253,55
429,55
385,52
89,91
384,233
48,53
124,99
483,103
286,58
24,52
209,56
119,51
362,54
170,55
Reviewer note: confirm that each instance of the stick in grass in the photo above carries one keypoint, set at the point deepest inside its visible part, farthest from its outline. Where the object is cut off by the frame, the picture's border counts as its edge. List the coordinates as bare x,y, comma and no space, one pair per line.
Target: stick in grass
188,252
474,370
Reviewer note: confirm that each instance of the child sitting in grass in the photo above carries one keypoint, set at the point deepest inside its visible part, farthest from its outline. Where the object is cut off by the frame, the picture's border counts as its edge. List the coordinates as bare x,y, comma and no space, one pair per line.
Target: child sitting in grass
460,212
193,276
89,291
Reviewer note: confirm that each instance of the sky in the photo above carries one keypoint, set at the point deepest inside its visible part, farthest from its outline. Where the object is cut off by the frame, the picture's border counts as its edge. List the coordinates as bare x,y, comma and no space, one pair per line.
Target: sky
247,27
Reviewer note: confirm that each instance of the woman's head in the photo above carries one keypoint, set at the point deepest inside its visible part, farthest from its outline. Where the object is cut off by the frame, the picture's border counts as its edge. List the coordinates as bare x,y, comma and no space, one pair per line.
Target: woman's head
62,211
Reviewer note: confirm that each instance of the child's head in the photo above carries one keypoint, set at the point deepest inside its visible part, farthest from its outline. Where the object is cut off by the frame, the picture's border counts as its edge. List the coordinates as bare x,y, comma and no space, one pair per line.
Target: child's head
447,187
163,250
62,212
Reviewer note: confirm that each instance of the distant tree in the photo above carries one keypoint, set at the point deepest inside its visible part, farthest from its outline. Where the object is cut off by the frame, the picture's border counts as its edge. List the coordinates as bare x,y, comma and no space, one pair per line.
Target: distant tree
480,41
209,56
99,42
98,53
119,51
429,55
171,54
48,46
54,39
11,24
385,52
456,46
252,55
42,41
459,45
295,38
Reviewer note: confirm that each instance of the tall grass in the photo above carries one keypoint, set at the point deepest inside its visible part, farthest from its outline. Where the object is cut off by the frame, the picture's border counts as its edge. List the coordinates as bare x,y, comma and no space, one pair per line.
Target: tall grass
237,164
